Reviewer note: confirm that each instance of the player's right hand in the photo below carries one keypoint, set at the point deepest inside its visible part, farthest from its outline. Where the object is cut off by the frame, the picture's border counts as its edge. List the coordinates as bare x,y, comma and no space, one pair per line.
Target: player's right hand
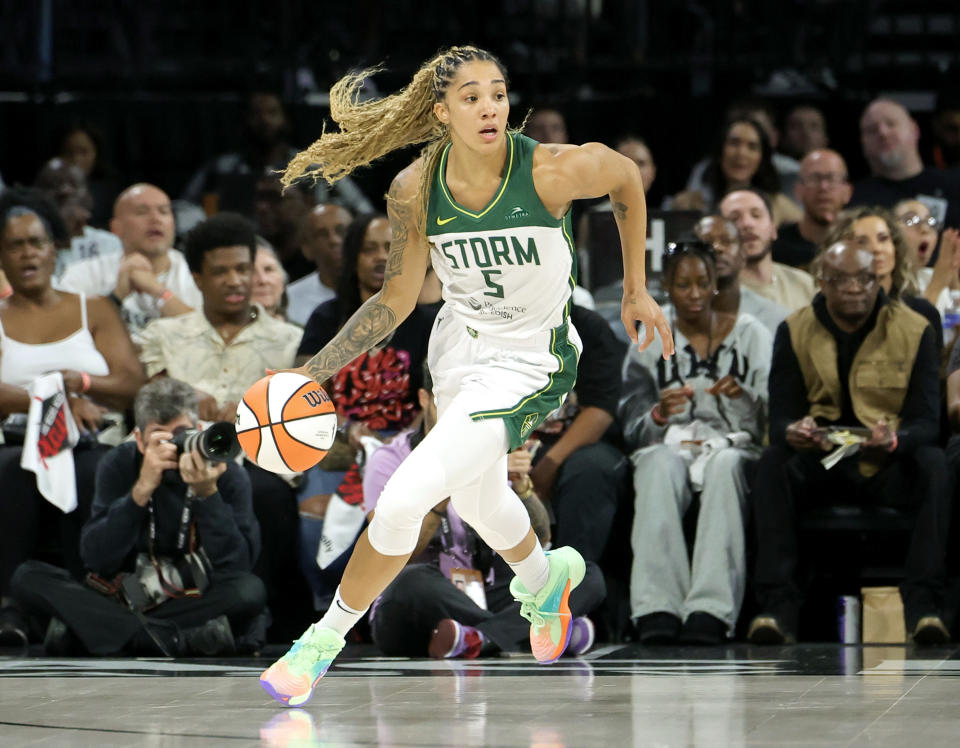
640,307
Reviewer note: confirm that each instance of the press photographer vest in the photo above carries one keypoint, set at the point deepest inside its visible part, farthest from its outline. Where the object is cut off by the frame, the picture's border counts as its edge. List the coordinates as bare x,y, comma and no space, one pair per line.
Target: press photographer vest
879,374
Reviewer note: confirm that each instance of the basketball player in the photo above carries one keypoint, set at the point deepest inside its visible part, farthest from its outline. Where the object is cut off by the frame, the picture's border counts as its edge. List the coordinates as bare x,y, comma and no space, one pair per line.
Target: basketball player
490,208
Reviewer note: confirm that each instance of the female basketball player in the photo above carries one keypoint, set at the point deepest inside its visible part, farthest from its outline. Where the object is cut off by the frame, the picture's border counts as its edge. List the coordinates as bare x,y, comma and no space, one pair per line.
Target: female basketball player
490,207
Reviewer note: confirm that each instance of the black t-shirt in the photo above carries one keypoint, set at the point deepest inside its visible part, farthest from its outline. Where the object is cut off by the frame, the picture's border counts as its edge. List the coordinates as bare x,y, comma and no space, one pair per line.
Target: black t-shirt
791,248
598,378
598,373
937,186
377,388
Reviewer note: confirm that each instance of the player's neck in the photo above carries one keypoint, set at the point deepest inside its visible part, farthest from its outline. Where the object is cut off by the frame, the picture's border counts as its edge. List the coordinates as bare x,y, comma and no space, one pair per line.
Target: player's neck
472,168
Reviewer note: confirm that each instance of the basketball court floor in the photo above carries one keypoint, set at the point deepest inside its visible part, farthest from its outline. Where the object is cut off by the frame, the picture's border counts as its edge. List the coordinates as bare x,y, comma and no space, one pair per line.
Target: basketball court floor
816,695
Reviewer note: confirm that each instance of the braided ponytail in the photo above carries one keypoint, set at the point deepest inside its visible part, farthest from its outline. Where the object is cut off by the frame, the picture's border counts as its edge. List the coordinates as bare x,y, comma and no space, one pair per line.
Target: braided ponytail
369,130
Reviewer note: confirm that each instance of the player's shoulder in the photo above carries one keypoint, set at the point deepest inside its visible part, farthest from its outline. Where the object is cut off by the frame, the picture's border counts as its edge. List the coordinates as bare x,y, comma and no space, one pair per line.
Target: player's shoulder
403,197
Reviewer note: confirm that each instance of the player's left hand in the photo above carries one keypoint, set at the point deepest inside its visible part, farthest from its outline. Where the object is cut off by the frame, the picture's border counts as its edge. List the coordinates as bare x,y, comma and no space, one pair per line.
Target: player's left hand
640,307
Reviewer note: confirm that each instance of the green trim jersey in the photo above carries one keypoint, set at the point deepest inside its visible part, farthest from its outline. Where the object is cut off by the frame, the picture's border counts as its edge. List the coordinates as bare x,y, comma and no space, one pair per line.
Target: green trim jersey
509,269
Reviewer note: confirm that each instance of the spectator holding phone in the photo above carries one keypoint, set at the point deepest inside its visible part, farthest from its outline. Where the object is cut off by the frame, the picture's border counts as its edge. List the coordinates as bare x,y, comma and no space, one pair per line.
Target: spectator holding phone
855,359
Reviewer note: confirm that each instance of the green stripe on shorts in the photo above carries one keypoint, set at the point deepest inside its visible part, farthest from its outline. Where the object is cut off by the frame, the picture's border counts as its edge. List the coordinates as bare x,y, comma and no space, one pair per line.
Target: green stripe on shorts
522,418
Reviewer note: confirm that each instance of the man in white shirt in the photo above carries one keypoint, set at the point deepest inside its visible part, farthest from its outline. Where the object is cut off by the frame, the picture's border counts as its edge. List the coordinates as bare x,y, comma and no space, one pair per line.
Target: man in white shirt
321,242
149,280
749,210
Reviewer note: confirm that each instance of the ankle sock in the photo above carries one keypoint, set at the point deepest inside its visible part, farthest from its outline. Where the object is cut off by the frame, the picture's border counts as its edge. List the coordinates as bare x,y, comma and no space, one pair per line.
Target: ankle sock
339,616
534,570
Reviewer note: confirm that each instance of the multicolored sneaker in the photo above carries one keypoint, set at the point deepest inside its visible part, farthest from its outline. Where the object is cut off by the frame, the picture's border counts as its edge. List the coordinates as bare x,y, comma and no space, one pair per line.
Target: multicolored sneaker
548,610
292,678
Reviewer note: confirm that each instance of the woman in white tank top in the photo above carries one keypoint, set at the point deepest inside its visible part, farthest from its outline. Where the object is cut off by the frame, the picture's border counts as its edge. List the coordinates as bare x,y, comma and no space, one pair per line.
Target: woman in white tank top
44,330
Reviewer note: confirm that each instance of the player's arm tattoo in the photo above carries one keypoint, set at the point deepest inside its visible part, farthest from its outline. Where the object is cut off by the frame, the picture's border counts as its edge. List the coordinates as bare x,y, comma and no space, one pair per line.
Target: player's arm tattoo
620,210
400,214
371,323
374,320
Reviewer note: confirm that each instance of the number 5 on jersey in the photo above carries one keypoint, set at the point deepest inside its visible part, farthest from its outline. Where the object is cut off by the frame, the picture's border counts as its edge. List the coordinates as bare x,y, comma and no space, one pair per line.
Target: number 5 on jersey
496,288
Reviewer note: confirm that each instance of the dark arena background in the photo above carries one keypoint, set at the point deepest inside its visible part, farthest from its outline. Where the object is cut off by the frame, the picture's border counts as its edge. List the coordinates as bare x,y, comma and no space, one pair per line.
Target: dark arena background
162,88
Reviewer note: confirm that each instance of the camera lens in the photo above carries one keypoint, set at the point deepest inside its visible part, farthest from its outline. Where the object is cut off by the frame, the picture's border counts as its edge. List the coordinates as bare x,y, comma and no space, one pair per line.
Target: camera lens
217,443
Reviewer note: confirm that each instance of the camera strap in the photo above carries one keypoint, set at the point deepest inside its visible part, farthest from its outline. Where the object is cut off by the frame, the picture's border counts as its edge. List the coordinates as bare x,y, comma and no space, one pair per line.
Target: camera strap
185,537
182,534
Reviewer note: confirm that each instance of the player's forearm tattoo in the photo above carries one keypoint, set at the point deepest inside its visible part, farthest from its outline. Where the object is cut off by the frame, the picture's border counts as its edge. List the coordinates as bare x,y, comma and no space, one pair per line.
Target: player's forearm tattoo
371,323
620,211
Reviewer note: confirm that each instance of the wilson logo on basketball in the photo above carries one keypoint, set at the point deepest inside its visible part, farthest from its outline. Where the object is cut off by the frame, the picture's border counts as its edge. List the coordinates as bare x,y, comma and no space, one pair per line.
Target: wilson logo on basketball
314,398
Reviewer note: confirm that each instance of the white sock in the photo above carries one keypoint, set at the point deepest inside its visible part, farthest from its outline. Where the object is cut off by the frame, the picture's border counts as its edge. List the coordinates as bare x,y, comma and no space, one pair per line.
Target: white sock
534,570
339,616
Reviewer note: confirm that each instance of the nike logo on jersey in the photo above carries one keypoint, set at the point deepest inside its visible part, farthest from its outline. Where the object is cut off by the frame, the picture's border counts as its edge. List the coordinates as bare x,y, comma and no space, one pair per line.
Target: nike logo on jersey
442,221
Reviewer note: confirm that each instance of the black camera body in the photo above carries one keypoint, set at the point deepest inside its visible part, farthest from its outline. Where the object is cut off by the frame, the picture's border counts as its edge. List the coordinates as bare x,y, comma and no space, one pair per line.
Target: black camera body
216,443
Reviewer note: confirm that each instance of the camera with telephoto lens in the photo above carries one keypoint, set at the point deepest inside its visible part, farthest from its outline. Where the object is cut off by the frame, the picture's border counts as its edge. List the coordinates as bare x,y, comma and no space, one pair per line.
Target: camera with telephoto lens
216,443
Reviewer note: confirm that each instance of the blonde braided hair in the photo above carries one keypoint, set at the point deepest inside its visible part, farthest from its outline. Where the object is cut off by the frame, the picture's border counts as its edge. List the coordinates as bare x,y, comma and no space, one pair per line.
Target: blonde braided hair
369,130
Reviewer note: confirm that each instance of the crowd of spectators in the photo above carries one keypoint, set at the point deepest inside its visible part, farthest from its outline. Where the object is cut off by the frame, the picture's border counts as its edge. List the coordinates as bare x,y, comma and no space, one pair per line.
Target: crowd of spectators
814,320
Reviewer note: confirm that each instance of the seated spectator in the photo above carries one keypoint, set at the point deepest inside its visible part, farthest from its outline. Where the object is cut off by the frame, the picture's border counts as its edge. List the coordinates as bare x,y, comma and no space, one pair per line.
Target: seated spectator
157,509
579,470
742,159
149,280
546,125
222,349
855,358
875,230
694,422
321,242
43,330
751,213
375,395
823,190
890,139
946,131
266,147
81,144
732,297
279,214
269,281
66,185
921,233
804,131
38,202
430,608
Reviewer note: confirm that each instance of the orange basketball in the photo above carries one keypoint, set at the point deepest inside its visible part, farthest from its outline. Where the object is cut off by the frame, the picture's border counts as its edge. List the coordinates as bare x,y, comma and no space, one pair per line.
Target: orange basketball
286,423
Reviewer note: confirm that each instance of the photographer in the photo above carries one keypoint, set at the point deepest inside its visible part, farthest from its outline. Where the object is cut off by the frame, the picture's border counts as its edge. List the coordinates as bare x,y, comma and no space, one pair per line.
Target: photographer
159,513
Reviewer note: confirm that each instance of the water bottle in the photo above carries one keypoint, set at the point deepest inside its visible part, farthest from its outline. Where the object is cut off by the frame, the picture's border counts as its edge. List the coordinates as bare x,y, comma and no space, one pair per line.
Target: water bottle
951,315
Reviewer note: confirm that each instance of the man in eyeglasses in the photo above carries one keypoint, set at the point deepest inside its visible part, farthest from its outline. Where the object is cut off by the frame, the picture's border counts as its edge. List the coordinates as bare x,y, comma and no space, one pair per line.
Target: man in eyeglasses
890,139
823,189
853,359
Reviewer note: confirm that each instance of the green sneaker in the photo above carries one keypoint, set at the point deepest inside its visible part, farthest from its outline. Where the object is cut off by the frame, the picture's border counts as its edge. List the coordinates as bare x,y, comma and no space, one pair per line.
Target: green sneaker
548,610
292,678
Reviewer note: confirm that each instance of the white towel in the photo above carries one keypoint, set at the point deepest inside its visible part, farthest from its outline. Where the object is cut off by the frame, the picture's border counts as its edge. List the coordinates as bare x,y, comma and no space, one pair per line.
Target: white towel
49,441
342,521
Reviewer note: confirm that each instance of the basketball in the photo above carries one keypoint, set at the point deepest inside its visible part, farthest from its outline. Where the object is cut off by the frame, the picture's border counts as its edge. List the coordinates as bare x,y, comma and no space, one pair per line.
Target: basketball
286,423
